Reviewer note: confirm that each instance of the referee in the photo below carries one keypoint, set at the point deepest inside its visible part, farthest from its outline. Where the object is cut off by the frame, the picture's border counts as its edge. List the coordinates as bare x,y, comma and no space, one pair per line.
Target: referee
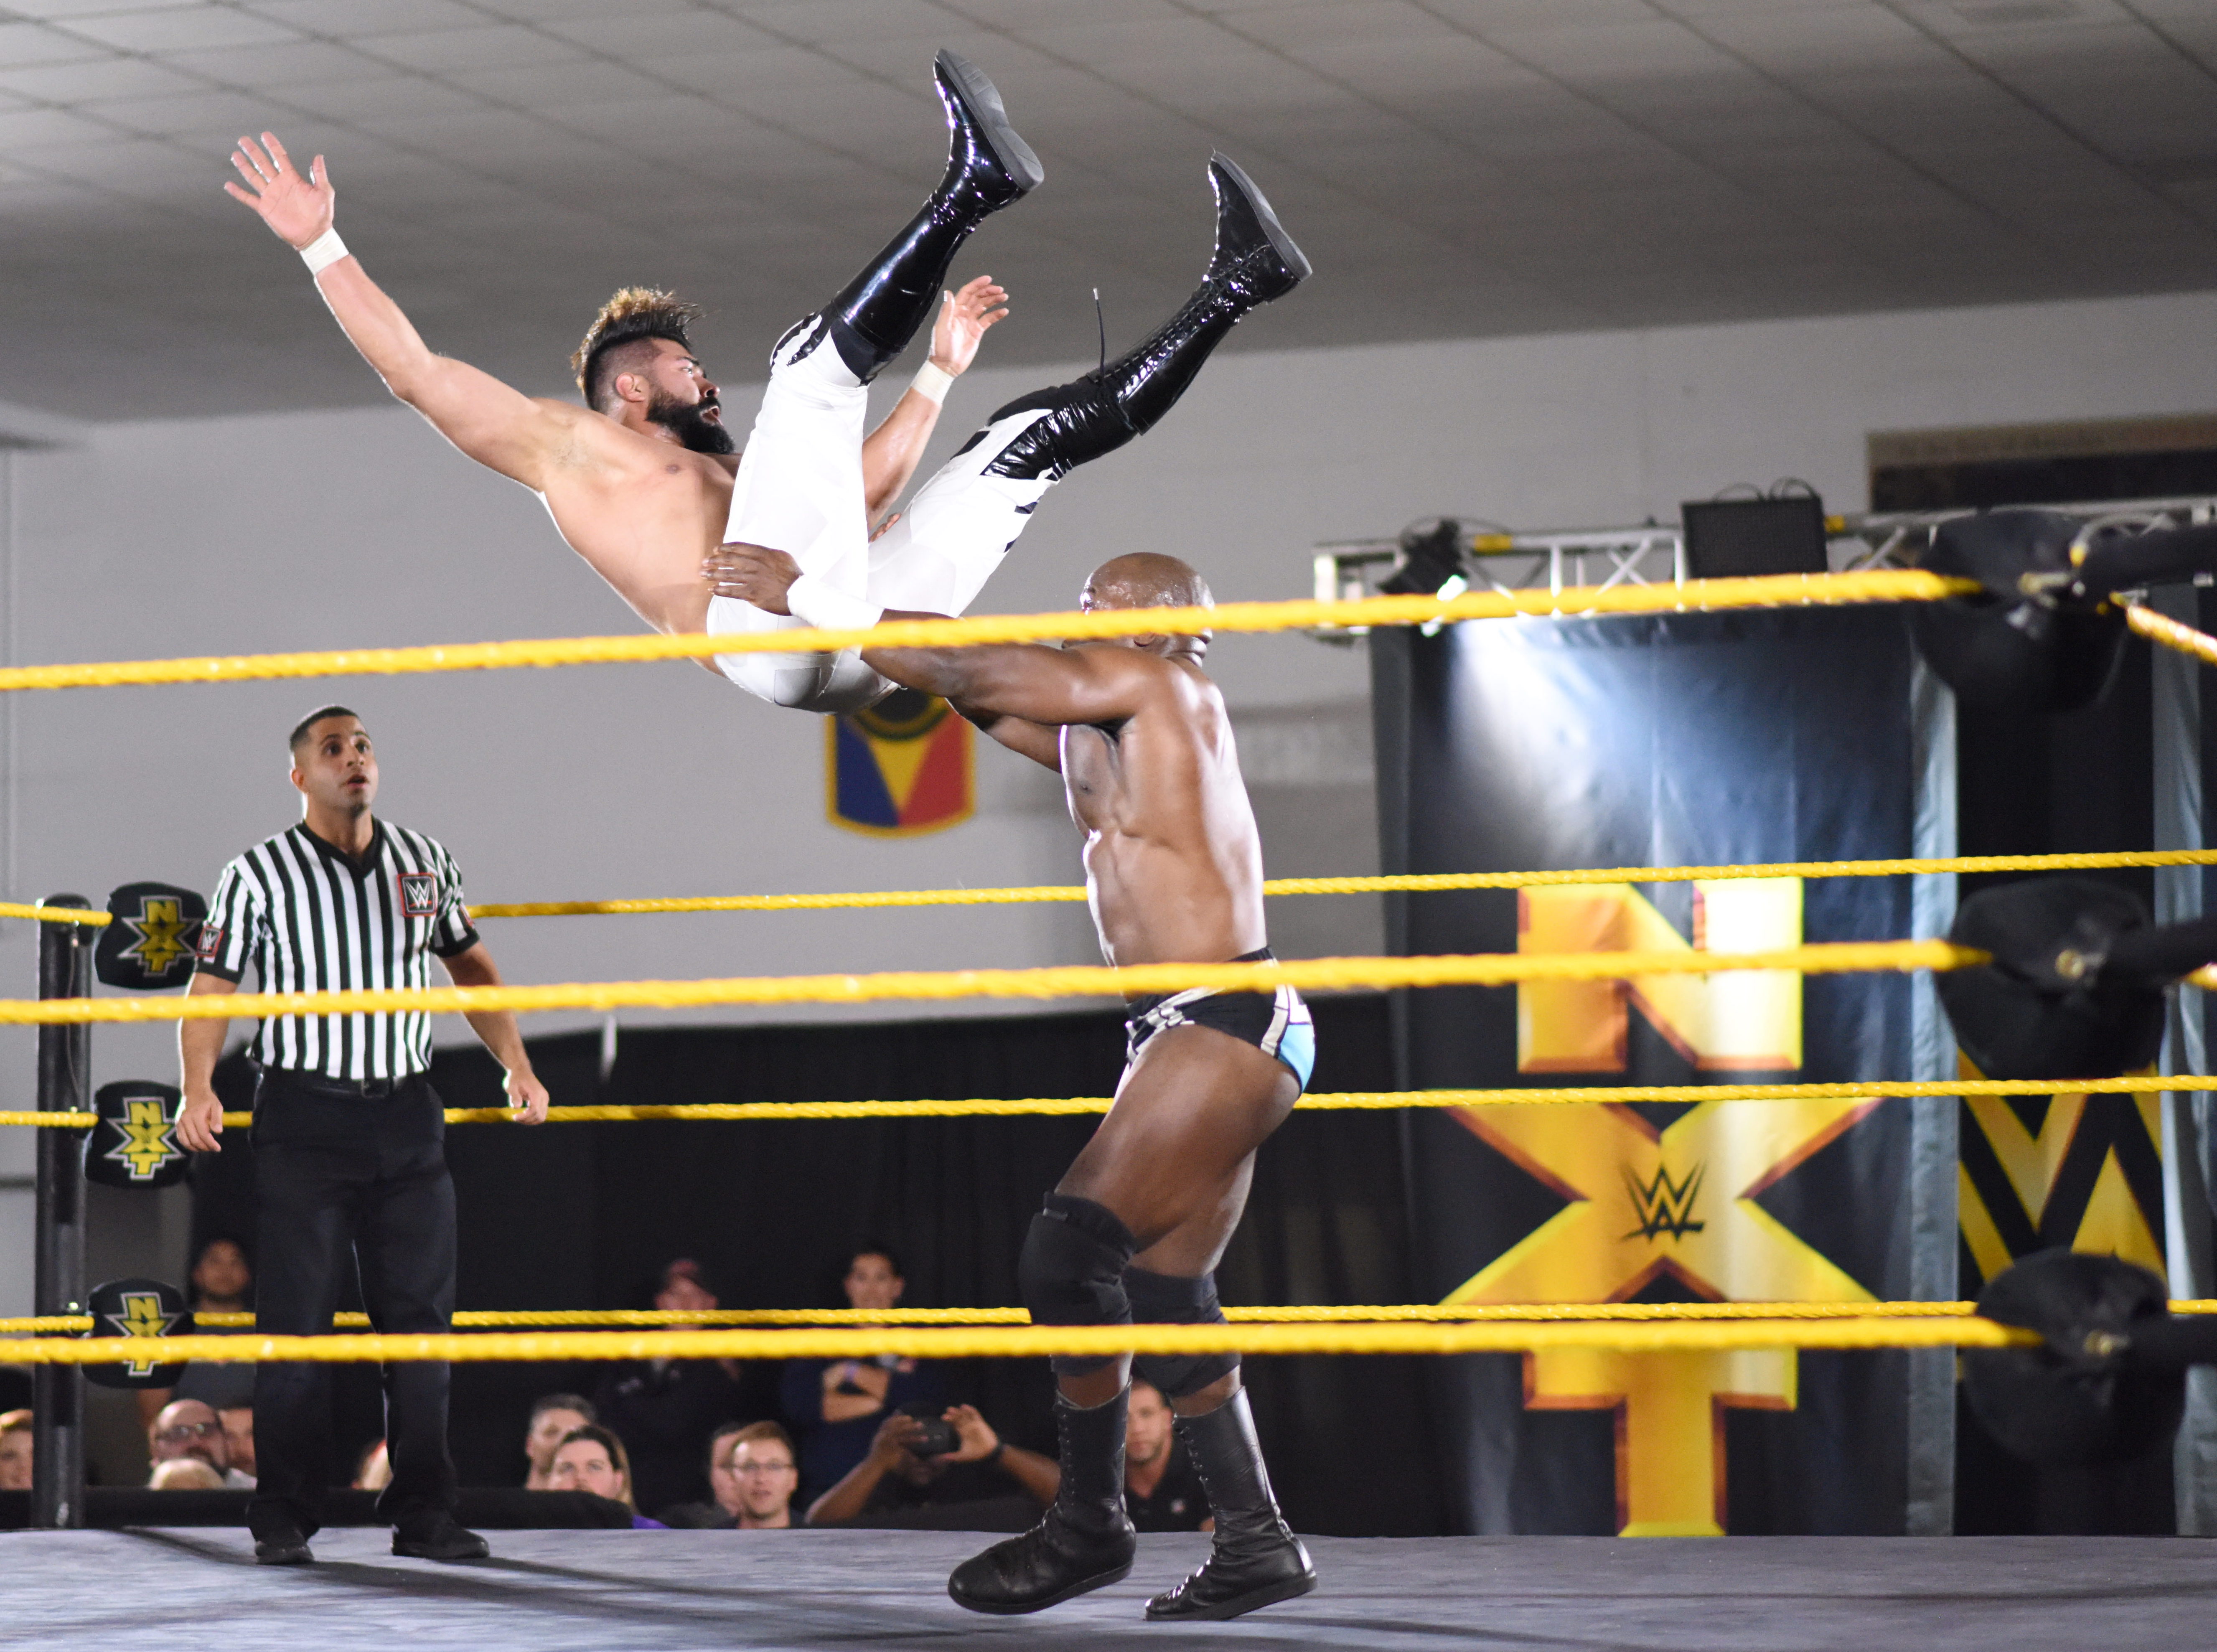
349,1135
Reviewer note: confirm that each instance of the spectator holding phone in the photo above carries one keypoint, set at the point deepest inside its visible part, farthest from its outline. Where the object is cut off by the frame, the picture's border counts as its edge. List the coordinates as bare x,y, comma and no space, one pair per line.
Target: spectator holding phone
922,1457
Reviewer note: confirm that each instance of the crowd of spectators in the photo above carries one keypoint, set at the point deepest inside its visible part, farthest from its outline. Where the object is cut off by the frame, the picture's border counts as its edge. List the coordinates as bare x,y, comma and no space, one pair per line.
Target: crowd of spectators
688,1443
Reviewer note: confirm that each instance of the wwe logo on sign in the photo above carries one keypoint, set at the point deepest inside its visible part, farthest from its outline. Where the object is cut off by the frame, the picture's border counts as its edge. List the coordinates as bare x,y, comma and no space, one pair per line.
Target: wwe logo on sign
1664,1206
419,894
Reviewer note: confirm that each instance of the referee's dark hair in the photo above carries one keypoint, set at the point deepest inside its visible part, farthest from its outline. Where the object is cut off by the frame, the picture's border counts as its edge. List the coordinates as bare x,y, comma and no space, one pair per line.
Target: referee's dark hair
300,728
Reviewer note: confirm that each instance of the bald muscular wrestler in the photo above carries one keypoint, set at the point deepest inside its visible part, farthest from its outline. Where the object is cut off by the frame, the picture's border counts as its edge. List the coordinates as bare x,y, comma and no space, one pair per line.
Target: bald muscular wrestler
1174,871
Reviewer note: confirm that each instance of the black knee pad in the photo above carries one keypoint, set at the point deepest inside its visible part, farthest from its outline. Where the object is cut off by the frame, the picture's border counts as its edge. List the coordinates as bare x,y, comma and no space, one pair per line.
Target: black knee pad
1167,1299
1071,1271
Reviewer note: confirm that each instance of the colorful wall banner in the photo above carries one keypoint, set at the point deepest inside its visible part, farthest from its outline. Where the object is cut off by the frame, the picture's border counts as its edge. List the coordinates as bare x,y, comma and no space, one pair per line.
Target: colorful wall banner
901,768
1699,739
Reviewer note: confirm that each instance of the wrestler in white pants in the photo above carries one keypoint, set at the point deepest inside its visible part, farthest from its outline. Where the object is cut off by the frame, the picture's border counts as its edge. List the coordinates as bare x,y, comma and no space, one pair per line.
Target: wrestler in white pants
799,490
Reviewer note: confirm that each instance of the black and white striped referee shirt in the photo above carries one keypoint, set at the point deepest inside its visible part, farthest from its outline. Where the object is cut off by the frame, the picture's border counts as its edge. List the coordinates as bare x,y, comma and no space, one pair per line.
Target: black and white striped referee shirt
309,920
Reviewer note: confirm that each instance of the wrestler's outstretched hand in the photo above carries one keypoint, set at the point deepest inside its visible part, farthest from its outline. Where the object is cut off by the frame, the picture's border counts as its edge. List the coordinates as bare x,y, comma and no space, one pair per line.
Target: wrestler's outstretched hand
963,318
752,573
297,209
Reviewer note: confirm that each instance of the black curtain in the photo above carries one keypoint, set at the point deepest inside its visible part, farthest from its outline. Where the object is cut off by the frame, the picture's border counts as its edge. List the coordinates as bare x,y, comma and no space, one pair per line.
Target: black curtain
584,1216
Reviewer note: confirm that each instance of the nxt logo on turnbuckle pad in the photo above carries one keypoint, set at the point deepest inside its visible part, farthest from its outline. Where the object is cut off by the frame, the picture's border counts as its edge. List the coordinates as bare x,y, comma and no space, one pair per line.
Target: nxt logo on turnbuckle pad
152,939
1664,1206
135,1143
136,1308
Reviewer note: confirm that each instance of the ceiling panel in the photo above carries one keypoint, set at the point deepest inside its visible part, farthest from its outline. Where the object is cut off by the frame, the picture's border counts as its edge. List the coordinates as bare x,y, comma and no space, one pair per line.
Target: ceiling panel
1454,168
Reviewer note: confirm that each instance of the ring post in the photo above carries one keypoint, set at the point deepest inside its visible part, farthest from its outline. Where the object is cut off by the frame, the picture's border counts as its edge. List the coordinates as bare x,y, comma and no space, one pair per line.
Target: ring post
65,1085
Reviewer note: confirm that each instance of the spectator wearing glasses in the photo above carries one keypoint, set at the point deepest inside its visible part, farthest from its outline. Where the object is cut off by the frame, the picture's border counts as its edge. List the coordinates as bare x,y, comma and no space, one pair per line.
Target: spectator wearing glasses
765,1473
191,1429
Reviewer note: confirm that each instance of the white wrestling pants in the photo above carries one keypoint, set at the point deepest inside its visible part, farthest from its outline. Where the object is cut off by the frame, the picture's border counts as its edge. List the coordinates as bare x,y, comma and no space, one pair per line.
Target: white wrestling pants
799,490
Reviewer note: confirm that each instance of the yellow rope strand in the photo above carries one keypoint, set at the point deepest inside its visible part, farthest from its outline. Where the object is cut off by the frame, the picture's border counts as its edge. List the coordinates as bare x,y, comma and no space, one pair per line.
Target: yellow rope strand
1324,1100
1005,1341
1372,1313
1072,981
1416,882
1396,882
2162,628
1776,590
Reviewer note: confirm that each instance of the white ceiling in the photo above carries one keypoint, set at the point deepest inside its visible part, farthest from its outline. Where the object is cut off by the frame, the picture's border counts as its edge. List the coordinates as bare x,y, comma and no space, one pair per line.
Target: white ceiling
1452,167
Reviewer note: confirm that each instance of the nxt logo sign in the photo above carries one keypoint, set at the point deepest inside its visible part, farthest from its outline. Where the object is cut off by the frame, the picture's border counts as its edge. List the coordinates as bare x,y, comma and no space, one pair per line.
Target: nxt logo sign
1736,1020
142,1315
147,1143
163,933
1664,1205
1691,1189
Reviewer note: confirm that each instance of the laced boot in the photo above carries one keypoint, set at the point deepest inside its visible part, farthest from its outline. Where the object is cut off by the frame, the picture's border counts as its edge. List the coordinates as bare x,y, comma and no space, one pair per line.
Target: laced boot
1254,1560
988,167
1086,1540
1255,261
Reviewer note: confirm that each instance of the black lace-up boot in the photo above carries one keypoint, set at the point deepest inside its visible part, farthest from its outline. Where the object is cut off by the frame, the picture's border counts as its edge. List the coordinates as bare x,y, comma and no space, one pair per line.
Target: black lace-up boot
1255,261
1255,1560
988,167
1086,1540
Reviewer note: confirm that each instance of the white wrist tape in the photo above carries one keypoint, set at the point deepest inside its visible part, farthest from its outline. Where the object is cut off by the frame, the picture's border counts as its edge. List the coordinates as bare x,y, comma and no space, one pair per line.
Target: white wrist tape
320,254
815,601
931,384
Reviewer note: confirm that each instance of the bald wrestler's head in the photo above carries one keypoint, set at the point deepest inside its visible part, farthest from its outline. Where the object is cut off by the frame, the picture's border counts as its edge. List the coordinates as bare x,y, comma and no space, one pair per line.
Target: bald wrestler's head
1145,579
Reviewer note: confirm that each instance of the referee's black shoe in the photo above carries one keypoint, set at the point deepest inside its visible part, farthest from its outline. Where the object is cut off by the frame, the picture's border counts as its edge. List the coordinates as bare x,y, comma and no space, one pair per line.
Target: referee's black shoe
437,1535
283,1545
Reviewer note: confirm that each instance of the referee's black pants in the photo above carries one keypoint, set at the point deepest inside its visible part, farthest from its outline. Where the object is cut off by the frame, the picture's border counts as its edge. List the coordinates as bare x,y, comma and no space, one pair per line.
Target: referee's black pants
344,1176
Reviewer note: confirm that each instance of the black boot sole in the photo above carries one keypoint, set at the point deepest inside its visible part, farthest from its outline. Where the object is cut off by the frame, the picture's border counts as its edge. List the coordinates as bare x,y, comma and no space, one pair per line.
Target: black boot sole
283,1554
983,100
450,1553
1286,1588
1070,1592
1295,260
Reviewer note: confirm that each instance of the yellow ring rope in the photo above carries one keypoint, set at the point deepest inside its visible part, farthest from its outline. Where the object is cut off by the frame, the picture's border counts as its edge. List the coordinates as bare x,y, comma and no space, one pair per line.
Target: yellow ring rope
1303,1313
1393,883
1005,1341
1322,1100
1775,590
2162,628
1070,981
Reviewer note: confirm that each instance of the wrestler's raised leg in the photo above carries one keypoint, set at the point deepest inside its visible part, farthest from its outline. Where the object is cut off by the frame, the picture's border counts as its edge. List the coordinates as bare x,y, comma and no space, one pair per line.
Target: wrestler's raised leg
1135,1231
939,554
800,484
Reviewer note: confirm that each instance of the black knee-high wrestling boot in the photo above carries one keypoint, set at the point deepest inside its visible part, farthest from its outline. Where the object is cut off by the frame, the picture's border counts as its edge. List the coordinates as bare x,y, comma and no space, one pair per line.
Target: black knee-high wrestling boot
1255,1560
1084,1541
1255,261
988,167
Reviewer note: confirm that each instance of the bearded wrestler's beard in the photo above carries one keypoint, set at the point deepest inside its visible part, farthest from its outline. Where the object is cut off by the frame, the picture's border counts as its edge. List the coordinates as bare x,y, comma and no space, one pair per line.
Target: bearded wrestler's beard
688,422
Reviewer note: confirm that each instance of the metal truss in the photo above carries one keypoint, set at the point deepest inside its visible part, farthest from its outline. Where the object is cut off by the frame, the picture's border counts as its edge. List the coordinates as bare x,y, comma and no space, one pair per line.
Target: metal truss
1653,554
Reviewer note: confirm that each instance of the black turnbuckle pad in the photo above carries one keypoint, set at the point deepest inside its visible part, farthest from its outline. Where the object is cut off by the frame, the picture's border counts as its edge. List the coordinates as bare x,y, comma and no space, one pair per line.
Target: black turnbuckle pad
2047,1008
139,1308
2012,647
153,942
2078,1397
134,1142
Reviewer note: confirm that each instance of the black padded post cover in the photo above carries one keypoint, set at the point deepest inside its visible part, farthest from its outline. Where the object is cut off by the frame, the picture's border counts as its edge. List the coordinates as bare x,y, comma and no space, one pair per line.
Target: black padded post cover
2059,1404
2021,1017
2003,647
